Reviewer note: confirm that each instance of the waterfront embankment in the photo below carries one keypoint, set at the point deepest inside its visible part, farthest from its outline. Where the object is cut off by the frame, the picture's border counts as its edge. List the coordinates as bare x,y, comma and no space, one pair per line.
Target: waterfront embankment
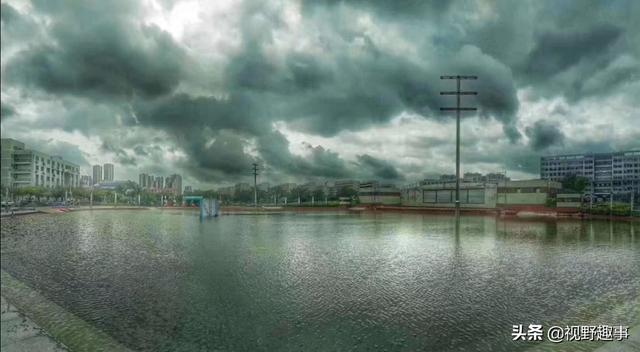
36,314
20,333
515,212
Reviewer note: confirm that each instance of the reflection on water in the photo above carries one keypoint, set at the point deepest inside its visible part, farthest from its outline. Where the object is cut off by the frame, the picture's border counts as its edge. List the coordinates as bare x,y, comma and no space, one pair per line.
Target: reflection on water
164,281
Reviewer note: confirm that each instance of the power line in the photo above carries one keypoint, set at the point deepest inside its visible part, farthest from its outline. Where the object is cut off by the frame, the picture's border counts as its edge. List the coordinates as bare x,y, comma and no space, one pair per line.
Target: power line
457,109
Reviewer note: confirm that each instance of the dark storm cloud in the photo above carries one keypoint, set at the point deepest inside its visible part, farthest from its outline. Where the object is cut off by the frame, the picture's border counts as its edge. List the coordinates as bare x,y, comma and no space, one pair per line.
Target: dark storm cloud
320,162
181,113
380,169
106,55
565,61
222,152
512,158
412,8
212,131
544,134
495,86
140,150
100,52
109,69
121,155
556,51
557,47
14,24
6,111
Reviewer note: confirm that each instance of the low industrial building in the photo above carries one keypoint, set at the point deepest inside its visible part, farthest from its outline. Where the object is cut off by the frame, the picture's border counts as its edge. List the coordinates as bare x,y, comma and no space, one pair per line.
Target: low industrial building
442,195
378,193
481,195
569,200
526,192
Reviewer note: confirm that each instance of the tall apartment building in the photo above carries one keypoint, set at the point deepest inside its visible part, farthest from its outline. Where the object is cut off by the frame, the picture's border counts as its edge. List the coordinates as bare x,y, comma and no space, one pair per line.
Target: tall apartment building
158,183
108,172
142,180
22,167
243,187
85,181
97,174
174,183
608,172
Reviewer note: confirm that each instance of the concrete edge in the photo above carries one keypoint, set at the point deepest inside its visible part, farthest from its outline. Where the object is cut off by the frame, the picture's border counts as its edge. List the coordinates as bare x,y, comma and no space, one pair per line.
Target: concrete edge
63,326
19,333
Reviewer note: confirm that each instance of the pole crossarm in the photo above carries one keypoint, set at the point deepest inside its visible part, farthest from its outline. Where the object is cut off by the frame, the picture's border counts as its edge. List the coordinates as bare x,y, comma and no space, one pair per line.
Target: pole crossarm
458,77
458,93
458,109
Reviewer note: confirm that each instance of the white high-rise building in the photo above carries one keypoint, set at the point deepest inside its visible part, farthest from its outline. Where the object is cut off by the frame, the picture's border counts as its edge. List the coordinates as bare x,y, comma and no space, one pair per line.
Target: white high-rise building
142,180
23,167
158,183
97,174
108,172
174,183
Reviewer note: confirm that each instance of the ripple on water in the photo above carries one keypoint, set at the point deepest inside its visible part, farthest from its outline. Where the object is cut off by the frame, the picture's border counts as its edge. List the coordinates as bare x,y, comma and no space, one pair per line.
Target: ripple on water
160,281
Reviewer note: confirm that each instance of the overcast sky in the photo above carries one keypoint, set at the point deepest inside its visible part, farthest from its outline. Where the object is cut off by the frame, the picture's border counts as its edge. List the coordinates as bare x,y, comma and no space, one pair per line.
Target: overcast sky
318,89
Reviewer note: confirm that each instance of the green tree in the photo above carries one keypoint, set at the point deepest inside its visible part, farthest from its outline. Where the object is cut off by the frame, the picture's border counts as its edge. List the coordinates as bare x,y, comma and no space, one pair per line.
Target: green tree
318,195
208,193
80,194
20,193
37,192
575,183
347,191
57,193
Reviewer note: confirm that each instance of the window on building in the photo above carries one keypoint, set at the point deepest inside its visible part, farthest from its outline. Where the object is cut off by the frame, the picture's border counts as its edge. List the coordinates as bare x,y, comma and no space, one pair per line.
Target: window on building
475,196
428,196
444,196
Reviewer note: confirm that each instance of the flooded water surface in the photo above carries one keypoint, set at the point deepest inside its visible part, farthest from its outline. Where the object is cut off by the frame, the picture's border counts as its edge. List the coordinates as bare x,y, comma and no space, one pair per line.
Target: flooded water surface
165,281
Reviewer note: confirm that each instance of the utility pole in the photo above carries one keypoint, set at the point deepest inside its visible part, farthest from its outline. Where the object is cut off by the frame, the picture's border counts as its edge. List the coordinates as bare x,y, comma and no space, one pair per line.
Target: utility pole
611,203
457,109
255,185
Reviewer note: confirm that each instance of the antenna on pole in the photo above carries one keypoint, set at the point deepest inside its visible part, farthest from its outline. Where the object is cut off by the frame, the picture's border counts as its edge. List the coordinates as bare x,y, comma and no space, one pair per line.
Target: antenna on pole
255,185
457,109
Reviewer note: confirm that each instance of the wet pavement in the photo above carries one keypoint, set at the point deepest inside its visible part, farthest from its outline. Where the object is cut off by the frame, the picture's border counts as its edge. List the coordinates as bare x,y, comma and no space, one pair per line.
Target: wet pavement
19,333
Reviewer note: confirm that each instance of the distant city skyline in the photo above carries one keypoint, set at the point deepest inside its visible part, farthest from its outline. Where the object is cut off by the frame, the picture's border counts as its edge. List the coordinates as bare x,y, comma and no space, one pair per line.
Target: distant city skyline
317,90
